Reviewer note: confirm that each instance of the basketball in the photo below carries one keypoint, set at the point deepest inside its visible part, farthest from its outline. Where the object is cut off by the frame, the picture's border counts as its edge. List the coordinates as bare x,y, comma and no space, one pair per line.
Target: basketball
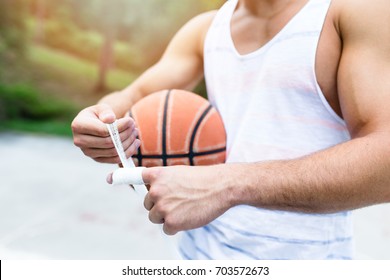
178,127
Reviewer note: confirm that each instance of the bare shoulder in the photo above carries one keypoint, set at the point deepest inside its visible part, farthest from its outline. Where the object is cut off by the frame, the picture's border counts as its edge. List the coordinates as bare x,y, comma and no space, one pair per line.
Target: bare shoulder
199,25
191,36
359,20
364,28
203,20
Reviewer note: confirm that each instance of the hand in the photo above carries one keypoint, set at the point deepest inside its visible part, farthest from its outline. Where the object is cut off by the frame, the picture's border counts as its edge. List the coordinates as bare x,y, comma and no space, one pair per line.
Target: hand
90,134
183,197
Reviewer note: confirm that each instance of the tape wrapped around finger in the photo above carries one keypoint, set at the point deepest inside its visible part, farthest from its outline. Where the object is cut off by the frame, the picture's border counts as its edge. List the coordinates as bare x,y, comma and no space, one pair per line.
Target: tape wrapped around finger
128,176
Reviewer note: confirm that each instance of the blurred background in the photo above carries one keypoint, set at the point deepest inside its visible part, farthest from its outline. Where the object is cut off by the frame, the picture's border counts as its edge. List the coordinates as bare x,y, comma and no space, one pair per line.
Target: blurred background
57,57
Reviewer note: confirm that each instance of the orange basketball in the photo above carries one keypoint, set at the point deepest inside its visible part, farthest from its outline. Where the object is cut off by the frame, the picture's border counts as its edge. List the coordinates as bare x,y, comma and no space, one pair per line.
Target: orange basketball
178,127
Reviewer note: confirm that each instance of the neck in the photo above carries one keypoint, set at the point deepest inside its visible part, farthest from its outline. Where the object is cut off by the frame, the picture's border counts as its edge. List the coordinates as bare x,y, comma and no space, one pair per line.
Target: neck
265,8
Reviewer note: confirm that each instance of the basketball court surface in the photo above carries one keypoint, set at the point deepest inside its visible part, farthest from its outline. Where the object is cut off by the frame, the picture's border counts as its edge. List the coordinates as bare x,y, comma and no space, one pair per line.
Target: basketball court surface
55,204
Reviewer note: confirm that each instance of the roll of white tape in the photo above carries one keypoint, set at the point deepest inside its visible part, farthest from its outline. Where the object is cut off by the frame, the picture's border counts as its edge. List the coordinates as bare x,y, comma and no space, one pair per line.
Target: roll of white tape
128,176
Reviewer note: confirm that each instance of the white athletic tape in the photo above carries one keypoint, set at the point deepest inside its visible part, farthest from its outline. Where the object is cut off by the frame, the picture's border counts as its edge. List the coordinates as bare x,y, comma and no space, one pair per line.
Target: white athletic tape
131,175
128,164
114,133
128,176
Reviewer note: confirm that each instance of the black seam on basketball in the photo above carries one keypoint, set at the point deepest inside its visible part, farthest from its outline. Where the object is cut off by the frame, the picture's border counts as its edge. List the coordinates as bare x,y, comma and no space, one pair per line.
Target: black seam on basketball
165,156
138,156
164,127
206,153
191,147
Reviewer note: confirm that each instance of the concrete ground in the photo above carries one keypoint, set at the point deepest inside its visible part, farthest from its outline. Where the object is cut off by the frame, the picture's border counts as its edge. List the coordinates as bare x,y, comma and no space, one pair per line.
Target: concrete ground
55,204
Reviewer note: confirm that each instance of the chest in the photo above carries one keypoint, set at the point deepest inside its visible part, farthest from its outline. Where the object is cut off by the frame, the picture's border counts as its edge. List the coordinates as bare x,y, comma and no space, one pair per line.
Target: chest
252,33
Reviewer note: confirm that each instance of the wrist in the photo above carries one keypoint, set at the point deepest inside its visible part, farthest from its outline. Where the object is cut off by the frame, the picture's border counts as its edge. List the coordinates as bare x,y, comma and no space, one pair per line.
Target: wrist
119,104
234,183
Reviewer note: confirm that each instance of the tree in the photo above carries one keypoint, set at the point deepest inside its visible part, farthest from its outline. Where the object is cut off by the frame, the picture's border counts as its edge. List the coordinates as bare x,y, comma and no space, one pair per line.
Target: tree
40,11
105,17
153,23
109,13
147,26
12,28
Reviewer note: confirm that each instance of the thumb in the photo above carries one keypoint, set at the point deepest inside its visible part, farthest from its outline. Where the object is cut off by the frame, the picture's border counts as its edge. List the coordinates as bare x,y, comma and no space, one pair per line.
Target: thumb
127,176
105,113
150,174
133,176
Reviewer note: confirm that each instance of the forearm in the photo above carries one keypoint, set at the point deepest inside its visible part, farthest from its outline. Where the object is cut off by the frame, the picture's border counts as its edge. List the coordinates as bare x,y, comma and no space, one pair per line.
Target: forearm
350,175
152,80
121,101
164,75
147,83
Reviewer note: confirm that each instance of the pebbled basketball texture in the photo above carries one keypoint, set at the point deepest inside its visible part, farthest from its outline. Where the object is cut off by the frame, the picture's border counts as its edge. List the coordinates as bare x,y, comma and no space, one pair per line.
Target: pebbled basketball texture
178,127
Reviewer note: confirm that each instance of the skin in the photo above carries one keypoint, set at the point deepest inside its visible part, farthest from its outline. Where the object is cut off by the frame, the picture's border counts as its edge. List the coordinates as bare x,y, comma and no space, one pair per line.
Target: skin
352,61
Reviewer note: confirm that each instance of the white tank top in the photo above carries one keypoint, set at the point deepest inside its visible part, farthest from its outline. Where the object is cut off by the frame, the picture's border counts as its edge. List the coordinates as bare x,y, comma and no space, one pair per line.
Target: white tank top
272,108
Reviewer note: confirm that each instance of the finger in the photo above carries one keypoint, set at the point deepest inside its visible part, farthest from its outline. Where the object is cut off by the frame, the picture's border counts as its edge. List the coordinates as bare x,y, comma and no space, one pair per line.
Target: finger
99,142
96,142
130,139
128,176
111,160
149,175
135,175
109,178
85,125
87,122
132,150
169,230
156,217
93,142
100,153
125,123
148,203
110,153
105,113
115,158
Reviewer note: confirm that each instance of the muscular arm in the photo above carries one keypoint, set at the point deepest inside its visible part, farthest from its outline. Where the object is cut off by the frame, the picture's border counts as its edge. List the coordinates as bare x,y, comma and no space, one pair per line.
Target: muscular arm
181,67
347,176
356,173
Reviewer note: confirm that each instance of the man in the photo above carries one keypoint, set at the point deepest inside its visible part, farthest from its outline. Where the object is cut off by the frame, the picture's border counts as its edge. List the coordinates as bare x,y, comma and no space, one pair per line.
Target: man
303,90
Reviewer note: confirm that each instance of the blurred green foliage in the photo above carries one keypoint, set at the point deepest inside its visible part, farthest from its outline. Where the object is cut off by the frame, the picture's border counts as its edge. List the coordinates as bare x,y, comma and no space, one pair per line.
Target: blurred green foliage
12,27
87,45
77,75
56,50
24,102
21,106
143,28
